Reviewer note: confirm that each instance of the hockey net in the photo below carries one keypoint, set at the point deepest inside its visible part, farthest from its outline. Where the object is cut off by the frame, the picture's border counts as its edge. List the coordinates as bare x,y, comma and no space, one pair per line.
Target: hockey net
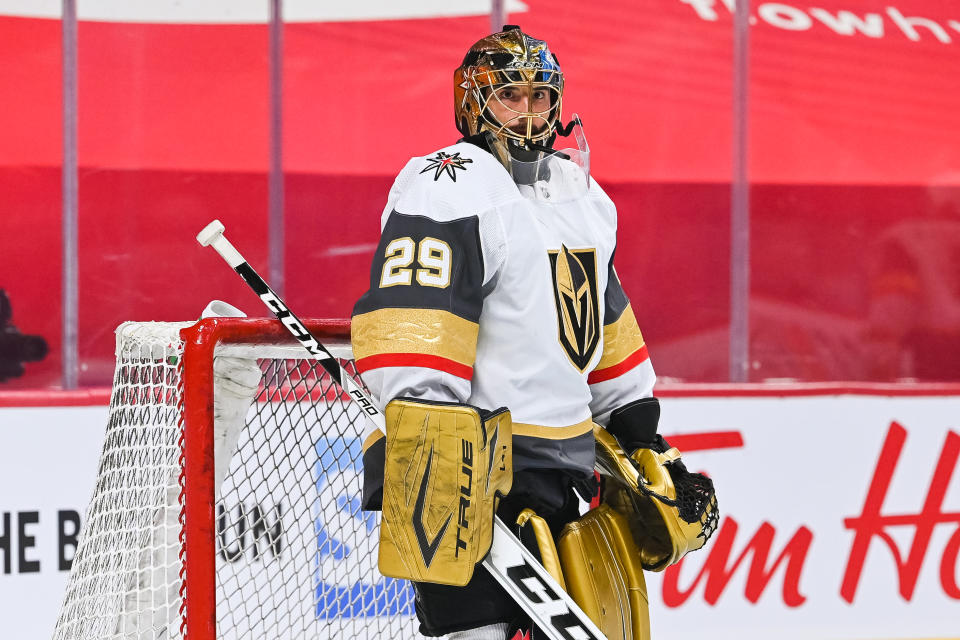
280,549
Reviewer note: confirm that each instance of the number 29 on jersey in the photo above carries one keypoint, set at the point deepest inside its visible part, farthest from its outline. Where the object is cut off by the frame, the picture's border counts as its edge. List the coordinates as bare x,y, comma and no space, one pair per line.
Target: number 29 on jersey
433,259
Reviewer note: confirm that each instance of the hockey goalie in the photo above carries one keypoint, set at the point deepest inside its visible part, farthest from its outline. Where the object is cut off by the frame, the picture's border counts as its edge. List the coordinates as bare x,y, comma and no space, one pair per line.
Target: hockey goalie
497,336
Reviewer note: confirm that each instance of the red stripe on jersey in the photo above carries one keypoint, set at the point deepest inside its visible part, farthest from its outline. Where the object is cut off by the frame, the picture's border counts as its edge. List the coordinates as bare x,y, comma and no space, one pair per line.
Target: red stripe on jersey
415,360
635,358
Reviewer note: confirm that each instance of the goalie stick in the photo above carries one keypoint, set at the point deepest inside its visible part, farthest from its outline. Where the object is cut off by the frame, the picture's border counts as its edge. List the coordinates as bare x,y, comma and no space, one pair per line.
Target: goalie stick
509,562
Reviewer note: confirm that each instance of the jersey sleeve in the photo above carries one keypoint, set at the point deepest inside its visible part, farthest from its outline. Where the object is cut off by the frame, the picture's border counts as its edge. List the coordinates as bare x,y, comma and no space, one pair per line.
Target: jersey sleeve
414,331
624,372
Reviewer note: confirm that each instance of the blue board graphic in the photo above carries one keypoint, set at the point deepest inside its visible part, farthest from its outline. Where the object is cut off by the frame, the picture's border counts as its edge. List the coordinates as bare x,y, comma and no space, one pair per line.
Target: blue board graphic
376,595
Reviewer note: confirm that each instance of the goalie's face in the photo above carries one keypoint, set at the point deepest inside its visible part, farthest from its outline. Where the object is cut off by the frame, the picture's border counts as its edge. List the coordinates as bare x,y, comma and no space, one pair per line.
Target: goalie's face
524,109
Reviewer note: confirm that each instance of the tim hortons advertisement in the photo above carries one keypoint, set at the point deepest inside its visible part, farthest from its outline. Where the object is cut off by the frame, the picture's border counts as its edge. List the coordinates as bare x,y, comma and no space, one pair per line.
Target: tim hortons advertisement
840,519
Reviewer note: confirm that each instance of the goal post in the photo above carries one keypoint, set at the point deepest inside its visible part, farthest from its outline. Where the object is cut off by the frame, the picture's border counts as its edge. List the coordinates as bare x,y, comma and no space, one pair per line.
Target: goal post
281,548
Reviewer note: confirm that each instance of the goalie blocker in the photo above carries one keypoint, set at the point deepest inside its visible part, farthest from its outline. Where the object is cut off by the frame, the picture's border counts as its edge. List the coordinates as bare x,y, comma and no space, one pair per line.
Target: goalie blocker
446,466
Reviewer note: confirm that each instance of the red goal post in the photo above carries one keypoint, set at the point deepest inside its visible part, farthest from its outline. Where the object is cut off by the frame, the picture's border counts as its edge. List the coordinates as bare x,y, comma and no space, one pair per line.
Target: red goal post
283,551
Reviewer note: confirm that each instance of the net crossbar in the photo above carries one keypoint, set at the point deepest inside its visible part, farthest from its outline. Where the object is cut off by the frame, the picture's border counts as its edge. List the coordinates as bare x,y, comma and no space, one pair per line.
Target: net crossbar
280,550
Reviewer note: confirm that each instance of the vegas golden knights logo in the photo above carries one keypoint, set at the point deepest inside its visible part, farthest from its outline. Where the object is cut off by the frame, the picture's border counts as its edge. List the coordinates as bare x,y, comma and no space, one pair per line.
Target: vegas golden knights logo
575,293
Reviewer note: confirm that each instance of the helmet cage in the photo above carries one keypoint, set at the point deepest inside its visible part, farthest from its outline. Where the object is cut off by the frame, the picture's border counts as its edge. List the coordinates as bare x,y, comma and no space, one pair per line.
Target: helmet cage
535,125
510,57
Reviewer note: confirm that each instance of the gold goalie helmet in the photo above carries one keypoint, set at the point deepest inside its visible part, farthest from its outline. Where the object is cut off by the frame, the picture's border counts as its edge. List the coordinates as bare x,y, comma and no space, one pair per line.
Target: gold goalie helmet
508,58
508,92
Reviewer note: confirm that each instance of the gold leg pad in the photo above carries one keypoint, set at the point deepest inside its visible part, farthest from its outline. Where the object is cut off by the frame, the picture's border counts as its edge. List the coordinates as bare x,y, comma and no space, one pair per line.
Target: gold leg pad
601,565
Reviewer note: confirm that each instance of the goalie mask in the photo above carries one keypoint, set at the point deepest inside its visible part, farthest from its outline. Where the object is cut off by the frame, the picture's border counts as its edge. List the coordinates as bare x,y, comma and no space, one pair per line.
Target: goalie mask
496,73
508,92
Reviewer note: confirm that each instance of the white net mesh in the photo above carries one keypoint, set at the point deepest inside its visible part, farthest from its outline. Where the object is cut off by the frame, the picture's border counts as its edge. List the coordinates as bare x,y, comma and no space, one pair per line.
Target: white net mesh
295,555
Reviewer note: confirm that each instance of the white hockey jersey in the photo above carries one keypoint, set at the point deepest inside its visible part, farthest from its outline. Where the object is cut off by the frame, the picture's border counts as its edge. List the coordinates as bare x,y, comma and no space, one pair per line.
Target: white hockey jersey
482,295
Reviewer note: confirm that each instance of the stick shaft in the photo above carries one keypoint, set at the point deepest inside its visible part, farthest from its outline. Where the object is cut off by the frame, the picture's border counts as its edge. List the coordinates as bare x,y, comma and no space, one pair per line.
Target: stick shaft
296,327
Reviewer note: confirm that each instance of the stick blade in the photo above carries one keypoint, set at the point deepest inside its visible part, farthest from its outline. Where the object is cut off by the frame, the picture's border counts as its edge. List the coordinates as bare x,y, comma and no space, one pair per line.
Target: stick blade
210,233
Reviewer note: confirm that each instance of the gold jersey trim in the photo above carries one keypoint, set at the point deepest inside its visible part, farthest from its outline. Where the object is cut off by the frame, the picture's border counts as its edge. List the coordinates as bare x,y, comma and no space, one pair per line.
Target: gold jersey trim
621,339
553,433
424,331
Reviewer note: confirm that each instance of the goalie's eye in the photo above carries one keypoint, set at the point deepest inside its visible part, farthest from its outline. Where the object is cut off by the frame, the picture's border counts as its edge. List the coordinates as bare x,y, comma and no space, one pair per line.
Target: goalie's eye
509,94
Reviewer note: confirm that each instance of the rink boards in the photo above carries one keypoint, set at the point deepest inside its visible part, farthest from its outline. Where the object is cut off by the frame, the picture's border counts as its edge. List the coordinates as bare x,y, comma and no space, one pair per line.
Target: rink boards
840,518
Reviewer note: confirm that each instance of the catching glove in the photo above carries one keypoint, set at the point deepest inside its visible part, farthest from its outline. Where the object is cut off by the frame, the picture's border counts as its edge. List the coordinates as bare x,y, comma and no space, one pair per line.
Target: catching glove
670,510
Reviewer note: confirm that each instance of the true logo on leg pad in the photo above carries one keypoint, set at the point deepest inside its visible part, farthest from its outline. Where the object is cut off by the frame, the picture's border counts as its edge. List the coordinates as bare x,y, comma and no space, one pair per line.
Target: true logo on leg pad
466,489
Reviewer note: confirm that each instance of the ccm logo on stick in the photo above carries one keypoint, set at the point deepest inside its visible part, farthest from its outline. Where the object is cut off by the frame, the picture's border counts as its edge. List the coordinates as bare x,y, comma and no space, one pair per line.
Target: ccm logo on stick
298,330
538,591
